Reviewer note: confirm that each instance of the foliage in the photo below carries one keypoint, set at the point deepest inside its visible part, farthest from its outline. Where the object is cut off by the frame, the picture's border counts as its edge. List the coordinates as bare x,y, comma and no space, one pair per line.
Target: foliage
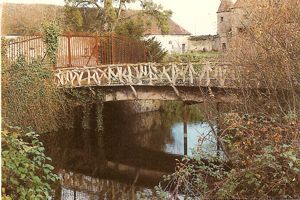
160,16
26,172
87,99
262,162
176,109
265,157
269,47
30,96
191,57
73,19
110,16
155,52
51,33
132,28
4,43
262,149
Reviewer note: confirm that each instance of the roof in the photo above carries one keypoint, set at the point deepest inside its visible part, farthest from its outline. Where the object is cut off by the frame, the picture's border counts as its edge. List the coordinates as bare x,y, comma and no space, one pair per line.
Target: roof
203,37
31,16
225,6
153,28
174,29
239,4
17,16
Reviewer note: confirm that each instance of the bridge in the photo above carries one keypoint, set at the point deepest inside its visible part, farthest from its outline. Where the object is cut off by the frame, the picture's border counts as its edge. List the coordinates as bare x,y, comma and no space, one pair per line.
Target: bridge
153,81
85,61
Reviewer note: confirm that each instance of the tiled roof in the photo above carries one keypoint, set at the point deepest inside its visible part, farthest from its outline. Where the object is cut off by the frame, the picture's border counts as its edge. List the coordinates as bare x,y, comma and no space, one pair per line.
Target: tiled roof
225,6
153,28
174,29
15,17
239,4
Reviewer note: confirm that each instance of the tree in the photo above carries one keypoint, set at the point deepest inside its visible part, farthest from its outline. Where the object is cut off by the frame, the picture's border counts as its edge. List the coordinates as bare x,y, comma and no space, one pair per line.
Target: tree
110,15
269,46
155,52
259,134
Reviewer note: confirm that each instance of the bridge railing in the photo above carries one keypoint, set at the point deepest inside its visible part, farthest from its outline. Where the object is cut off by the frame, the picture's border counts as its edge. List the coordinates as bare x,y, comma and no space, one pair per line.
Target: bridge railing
173,74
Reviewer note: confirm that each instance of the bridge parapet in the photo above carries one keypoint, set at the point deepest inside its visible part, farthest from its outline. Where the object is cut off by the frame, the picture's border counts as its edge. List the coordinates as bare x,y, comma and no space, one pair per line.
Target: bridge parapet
148,74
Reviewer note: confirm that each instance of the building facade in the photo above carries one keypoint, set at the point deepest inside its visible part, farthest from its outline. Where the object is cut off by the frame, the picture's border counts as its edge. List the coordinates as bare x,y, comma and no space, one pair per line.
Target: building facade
175,41
231,21
203,43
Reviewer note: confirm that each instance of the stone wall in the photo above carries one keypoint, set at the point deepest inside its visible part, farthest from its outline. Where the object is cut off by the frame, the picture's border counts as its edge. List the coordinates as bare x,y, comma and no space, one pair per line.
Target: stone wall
204,43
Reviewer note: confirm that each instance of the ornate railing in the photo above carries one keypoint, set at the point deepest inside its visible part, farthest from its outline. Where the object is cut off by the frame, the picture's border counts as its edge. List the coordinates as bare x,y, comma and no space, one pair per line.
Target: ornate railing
174,74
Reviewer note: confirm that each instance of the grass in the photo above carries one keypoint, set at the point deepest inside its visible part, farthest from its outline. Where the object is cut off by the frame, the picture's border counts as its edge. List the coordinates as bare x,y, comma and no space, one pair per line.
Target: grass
192,57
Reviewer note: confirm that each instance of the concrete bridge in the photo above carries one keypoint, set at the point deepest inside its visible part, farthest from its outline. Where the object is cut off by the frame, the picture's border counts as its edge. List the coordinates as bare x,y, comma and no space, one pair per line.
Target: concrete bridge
153,81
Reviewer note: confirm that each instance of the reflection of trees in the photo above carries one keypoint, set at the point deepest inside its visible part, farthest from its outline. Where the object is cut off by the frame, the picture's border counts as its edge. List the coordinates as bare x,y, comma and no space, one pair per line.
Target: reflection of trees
79,186
144,129
173,112
130,144
152,129
77,149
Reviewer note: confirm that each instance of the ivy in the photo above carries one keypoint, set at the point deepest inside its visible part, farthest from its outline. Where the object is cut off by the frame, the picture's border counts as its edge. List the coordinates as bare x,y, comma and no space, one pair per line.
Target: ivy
51,34
31,98
87,98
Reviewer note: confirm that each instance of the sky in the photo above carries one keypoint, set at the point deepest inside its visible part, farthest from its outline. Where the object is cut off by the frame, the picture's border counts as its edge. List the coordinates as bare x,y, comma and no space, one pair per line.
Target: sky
197,16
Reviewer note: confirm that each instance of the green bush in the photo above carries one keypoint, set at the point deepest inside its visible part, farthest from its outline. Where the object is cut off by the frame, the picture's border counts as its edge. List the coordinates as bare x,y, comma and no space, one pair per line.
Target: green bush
155,52
191,57
26,173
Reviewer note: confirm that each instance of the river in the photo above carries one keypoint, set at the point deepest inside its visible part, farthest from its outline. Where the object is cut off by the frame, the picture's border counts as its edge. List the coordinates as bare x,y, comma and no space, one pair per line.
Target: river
131,154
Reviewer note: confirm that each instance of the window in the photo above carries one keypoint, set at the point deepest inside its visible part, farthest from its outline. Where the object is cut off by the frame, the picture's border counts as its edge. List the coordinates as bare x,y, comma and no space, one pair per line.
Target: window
224,46
241,30
183,48
32,52
222,19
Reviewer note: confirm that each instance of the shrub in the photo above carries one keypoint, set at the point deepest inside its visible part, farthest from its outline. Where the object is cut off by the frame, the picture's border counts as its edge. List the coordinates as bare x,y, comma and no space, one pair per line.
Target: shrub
262,162
155,53
191,57
26,173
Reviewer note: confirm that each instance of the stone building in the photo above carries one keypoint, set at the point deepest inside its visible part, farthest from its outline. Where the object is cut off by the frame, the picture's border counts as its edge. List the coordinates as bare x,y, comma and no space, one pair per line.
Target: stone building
175,41
231,21
204,43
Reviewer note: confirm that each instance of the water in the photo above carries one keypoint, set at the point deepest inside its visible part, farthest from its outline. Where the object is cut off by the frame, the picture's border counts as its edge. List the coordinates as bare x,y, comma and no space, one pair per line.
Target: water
132,154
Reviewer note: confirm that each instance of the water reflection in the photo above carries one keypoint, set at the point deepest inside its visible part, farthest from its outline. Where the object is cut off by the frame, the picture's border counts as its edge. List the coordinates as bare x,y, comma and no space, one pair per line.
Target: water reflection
197,132
133,152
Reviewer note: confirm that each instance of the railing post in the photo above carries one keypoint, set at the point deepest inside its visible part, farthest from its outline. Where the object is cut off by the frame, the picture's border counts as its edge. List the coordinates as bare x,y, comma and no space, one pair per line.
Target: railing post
69,49
112,48
97,49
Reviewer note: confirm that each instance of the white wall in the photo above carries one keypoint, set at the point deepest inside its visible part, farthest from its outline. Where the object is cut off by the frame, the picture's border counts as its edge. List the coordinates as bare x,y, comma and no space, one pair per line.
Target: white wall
172,43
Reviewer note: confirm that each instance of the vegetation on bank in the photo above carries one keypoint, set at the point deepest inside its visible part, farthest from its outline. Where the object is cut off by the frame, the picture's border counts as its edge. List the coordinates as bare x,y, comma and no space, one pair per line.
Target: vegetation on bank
261,161
260,134
30,96
29,99
26,172
192,57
